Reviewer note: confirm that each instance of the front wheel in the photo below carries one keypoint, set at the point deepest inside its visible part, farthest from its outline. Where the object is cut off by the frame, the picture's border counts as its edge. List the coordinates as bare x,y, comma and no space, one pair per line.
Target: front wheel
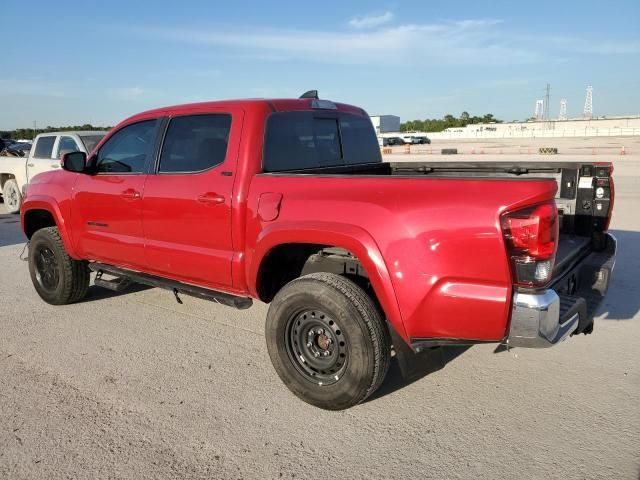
58,278
327,341
12,197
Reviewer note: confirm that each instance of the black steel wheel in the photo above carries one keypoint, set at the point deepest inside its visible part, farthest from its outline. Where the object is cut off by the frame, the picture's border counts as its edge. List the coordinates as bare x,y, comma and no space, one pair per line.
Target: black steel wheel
327,340
317,346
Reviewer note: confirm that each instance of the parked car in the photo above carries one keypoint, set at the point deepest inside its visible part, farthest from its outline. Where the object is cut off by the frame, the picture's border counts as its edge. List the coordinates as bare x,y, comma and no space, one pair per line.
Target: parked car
416,139
4,143
20,147
395,141
45,155
289,202
383,141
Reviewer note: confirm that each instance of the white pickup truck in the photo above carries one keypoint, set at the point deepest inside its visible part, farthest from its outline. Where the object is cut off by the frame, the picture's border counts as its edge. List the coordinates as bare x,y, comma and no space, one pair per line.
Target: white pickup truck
48,148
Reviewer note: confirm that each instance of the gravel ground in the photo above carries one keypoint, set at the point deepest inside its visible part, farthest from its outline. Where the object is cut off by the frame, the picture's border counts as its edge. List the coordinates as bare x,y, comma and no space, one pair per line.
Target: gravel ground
134,385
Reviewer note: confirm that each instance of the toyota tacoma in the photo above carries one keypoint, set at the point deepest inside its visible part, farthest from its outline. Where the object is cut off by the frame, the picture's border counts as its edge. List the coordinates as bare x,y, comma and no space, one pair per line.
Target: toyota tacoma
288,201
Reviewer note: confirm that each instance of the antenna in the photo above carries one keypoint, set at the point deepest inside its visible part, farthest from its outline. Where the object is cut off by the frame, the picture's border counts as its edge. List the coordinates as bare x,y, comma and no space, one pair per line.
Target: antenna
310,94
563,109
588,104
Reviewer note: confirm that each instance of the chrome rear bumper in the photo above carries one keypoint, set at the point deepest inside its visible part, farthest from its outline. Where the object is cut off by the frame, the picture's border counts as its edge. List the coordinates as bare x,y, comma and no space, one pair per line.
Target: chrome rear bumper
545,318
535,320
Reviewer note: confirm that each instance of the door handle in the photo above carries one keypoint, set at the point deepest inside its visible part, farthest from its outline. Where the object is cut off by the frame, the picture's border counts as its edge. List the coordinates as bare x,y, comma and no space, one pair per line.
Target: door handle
131,194
31,164
212,198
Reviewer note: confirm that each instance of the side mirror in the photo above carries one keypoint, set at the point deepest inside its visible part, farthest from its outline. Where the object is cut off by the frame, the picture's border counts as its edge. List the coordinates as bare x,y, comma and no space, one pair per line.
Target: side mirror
74,162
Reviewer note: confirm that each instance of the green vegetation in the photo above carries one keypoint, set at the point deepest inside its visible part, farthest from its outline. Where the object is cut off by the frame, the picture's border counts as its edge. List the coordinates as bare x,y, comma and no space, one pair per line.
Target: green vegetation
449,121
28,133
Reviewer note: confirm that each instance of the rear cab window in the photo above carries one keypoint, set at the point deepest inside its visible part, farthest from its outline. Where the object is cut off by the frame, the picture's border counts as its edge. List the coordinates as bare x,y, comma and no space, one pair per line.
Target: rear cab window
44,147
308,139
195,143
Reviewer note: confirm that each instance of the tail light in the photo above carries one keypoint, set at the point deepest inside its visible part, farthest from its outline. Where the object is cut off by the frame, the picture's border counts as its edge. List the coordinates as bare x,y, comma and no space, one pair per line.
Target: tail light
612,196
531,236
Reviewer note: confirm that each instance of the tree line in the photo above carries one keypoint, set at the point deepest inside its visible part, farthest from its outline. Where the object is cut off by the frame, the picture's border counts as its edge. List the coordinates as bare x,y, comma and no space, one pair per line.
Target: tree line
30,133
448,121
427,125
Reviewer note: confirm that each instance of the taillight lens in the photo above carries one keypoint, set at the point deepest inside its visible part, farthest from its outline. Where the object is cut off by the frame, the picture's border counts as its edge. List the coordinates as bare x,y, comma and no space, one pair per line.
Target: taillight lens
531,236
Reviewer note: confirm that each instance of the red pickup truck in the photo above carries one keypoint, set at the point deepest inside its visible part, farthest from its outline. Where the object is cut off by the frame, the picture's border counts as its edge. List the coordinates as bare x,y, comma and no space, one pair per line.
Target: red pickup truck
289,202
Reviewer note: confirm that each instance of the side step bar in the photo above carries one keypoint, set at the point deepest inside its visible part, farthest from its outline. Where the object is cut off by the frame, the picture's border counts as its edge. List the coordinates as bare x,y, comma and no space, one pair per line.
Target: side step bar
125,276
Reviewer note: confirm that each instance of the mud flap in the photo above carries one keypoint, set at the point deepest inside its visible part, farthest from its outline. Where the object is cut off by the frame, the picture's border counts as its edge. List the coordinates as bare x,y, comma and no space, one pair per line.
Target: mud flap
414,366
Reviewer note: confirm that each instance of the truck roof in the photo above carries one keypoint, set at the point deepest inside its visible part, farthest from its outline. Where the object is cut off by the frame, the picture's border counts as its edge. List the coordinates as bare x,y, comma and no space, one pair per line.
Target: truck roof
76,132
276,105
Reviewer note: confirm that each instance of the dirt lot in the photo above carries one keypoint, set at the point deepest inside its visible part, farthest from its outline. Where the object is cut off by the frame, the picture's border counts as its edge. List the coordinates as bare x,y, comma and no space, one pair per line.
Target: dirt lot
136,386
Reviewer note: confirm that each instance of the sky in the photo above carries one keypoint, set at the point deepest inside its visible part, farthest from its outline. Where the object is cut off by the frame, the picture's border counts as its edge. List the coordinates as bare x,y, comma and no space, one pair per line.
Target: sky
68,63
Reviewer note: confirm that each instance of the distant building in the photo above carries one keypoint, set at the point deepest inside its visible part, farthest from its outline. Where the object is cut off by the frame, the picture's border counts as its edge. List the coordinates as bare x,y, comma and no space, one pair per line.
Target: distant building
385,123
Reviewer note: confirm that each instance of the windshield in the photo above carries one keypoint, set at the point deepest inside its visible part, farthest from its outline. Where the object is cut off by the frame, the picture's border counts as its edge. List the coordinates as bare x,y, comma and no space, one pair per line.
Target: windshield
313,139
90,141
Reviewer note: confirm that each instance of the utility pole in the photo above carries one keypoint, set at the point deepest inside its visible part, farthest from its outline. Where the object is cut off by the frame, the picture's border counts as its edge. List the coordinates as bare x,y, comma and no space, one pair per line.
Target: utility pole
35,129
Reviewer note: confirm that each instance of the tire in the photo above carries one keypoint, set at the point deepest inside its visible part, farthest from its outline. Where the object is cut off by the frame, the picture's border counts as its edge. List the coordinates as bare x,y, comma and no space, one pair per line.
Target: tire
353,332
11,196
58,278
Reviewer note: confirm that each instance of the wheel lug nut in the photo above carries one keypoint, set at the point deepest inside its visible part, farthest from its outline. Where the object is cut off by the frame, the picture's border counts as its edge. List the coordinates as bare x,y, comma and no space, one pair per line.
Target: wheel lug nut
317,354
326,353
309,344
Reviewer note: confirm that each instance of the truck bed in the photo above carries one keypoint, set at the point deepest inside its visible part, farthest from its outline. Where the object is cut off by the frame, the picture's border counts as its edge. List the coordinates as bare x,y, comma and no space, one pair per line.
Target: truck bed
583,217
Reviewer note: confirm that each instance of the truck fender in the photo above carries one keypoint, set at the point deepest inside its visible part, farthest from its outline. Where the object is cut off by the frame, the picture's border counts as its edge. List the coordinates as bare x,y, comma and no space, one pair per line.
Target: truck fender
351,238
45,202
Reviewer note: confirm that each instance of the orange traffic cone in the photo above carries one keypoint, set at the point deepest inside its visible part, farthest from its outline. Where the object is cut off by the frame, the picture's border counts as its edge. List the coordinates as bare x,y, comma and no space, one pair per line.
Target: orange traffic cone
407,148
623,151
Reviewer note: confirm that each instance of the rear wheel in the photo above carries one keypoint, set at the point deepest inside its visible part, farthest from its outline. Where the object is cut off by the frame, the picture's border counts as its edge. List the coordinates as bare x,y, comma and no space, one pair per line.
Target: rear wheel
57,277
11,196
327,341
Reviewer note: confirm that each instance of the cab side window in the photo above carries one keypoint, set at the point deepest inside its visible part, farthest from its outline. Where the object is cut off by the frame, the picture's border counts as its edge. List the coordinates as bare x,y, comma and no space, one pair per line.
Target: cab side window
195,143
44,147
67,145
128,150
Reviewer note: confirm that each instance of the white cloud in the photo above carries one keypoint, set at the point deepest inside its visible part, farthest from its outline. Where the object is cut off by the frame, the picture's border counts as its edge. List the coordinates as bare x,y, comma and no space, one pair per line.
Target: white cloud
371,20
466,42
469,42
127,93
